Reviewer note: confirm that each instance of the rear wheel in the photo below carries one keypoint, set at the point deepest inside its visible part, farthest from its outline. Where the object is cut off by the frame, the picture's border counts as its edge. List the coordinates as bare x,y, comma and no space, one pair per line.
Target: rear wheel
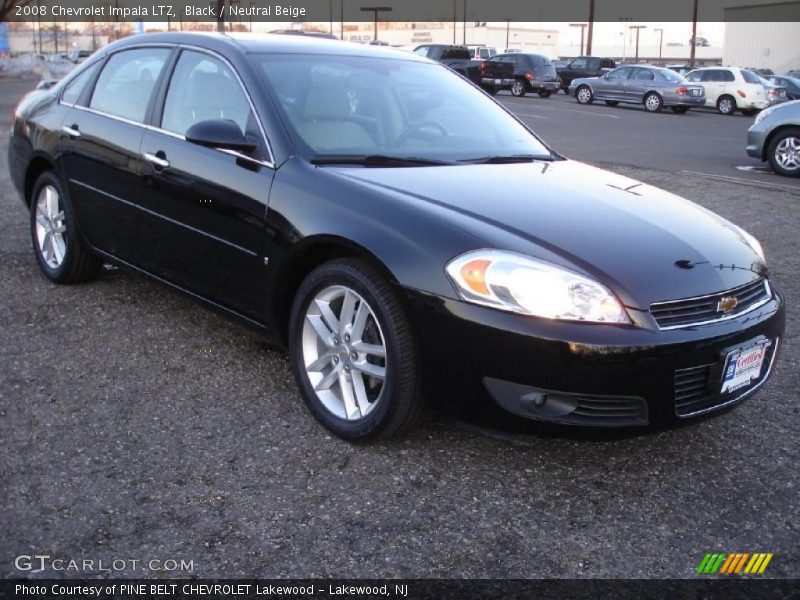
680,109
544,93
584,95
352,352
783,152
612,102
726,105
653,102
61,254
519,87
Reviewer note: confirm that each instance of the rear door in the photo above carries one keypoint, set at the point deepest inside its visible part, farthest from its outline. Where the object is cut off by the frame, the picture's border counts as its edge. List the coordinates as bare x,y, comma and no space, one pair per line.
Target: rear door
640,81
101,137
206,208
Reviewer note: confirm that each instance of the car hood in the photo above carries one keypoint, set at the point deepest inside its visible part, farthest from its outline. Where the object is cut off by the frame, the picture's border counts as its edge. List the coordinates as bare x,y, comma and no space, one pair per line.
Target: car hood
644,243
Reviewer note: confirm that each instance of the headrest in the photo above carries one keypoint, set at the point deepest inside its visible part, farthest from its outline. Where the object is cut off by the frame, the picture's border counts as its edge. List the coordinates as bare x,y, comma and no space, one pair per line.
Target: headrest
327,103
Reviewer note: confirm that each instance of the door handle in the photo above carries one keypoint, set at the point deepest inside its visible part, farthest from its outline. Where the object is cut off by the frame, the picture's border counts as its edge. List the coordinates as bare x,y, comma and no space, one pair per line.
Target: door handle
71,131
155,160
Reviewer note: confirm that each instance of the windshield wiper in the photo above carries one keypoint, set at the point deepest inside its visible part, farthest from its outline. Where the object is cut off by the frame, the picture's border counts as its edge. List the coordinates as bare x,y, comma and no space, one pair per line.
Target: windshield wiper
507,158
376,160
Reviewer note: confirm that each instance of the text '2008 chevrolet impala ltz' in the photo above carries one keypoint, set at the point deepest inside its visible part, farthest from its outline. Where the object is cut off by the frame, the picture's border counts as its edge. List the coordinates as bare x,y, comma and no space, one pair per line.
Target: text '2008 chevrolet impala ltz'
399,231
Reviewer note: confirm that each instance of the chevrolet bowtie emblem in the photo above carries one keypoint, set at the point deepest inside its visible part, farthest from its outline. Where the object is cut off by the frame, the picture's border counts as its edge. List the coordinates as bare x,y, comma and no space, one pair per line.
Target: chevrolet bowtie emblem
726,304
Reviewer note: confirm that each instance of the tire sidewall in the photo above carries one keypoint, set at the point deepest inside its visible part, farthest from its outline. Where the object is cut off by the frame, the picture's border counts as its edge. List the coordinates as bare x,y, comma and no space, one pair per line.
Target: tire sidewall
732,102
657,108
520,87
379,417
578,95
70,236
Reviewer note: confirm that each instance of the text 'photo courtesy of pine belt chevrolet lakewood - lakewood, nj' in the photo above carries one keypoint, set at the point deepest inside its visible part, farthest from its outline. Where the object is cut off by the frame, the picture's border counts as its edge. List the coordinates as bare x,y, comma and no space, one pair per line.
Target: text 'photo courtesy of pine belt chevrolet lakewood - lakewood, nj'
401,233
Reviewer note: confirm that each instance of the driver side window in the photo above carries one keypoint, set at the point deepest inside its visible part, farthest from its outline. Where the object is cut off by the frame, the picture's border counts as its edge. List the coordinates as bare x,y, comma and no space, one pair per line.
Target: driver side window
203,87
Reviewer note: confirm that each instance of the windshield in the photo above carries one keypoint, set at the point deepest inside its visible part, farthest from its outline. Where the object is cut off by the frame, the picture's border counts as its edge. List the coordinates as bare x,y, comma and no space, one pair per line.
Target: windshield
354,105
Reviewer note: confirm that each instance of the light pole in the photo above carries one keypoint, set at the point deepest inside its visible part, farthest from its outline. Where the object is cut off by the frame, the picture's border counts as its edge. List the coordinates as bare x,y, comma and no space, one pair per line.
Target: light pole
694,36
465,23
454,21
583,30
375,10
508,31
660,40
638,28
591,28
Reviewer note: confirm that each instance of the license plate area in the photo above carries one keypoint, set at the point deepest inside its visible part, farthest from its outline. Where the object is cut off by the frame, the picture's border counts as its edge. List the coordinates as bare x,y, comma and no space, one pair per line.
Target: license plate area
744,365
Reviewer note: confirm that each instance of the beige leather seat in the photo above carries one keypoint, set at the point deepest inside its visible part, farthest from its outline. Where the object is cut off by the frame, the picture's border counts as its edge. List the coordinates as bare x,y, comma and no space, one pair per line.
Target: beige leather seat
326,125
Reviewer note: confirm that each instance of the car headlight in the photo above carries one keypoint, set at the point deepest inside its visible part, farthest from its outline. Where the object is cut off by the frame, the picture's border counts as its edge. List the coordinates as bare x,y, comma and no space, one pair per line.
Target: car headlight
529,286
753,243
763,115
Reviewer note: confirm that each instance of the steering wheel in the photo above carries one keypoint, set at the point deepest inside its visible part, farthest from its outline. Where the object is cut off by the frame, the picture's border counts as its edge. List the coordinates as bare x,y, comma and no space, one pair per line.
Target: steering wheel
417,128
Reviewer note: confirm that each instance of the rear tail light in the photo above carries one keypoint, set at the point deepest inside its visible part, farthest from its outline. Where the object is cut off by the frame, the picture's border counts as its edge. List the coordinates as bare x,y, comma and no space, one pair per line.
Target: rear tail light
741,93
682,91
530,76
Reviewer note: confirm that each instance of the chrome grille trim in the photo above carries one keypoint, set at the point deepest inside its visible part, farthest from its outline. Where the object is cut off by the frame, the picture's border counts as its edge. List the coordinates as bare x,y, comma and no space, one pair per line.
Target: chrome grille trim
748,290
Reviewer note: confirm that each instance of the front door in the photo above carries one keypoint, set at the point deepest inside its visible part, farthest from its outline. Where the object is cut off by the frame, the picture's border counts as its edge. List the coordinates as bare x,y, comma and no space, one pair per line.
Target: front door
207,206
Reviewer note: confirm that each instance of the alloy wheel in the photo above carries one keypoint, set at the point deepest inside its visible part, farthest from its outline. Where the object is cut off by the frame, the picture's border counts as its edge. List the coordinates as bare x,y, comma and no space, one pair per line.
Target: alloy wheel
726,106
344,352
652,102
787,153
50,227
584,95
518,88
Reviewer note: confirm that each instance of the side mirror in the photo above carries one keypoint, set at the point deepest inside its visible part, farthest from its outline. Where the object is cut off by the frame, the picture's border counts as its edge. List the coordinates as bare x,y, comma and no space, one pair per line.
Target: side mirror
219,133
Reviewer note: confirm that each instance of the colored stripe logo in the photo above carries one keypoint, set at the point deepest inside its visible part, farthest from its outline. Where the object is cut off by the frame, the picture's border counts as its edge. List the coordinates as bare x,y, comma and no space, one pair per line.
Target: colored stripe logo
737,562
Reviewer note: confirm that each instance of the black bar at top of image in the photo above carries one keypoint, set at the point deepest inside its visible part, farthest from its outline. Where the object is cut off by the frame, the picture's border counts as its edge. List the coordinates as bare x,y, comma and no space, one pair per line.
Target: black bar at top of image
409,10
409,589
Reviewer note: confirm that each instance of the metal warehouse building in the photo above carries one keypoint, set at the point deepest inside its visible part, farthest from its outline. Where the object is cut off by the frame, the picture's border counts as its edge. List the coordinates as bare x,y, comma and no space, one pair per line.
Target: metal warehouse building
752,41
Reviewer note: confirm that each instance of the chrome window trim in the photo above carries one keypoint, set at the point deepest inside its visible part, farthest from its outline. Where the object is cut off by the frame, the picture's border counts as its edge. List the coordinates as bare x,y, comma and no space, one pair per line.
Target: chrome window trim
749,309
744,394
264,163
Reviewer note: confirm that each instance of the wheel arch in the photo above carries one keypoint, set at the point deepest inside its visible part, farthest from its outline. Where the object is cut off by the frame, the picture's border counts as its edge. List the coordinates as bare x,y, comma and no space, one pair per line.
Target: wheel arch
772,135
38,165
304,258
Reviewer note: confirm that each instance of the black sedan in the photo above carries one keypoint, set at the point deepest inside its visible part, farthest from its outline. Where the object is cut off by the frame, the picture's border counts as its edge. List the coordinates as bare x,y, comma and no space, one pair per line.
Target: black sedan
398,230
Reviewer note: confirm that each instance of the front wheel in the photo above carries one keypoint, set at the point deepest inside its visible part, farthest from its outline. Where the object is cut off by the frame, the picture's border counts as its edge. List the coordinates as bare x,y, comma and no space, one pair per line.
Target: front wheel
584,95
519,87
653,102
783,152
57,244
353,353
544,94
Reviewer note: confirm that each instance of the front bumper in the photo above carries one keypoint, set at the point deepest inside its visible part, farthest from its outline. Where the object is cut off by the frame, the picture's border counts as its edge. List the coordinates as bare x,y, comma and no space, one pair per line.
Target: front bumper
755,140
580,373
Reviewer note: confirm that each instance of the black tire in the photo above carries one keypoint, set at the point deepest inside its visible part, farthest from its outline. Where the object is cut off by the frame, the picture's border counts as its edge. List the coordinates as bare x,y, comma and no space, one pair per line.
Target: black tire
783,137
77,263
726,105
612,102
491,90
400,403
519,88
544,94
584,94
653,102
680,109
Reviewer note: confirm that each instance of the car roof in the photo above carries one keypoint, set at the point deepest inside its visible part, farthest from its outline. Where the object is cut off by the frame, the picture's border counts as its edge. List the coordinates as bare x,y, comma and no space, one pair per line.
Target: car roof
253,43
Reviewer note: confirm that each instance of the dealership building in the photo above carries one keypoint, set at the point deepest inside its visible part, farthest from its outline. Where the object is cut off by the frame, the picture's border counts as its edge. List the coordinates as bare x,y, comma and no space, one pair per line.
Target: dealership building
752,41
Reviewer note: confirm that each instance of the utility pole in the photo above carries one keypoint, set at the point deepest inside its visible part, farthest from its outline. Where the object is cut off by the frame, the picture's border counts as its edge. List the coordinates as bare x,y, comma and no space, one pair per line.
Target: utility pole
660,40
454,21
583,30
591,28
694,35
375,10
508,31
638,28
465,23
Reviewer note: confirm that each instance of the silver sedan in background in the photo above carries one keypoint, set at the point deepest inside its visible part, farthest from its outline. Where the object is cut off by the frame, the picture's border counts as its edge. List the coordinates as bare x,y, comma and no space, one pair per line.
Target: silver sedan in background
775,137
652,87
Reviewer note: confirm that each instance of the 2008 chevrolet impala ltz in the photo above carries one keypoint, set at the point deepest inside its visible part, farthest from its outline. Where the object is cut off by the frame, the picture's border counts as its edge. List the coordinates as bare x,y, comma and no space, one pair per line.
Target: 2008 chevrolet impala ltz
403,234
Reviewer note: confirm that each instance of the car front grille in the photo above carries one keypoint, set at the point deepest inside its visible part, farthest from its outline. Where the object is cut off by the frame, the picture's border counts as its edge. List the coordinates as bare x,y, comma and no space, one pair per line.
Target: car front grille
705,309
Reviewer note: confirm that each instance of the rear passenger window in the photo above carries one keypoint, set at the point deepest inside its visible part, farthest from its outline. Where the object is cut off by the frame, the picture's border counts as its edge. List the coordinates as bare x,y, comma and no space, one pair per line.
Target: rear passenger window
643,75
127,82
75,87
203,87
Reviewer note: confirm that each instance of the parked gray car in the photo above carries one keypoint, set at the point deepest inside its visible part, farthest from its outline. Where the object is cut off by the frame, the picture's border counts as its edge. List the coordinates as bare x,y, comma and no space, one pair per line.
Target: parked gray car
652,87
775,137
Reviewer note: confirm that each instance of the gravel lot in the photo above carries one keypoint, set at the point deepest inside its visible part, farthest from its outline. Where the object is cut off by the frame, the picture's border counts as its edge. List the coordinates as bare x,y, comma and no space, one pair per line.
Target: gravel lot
138,425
